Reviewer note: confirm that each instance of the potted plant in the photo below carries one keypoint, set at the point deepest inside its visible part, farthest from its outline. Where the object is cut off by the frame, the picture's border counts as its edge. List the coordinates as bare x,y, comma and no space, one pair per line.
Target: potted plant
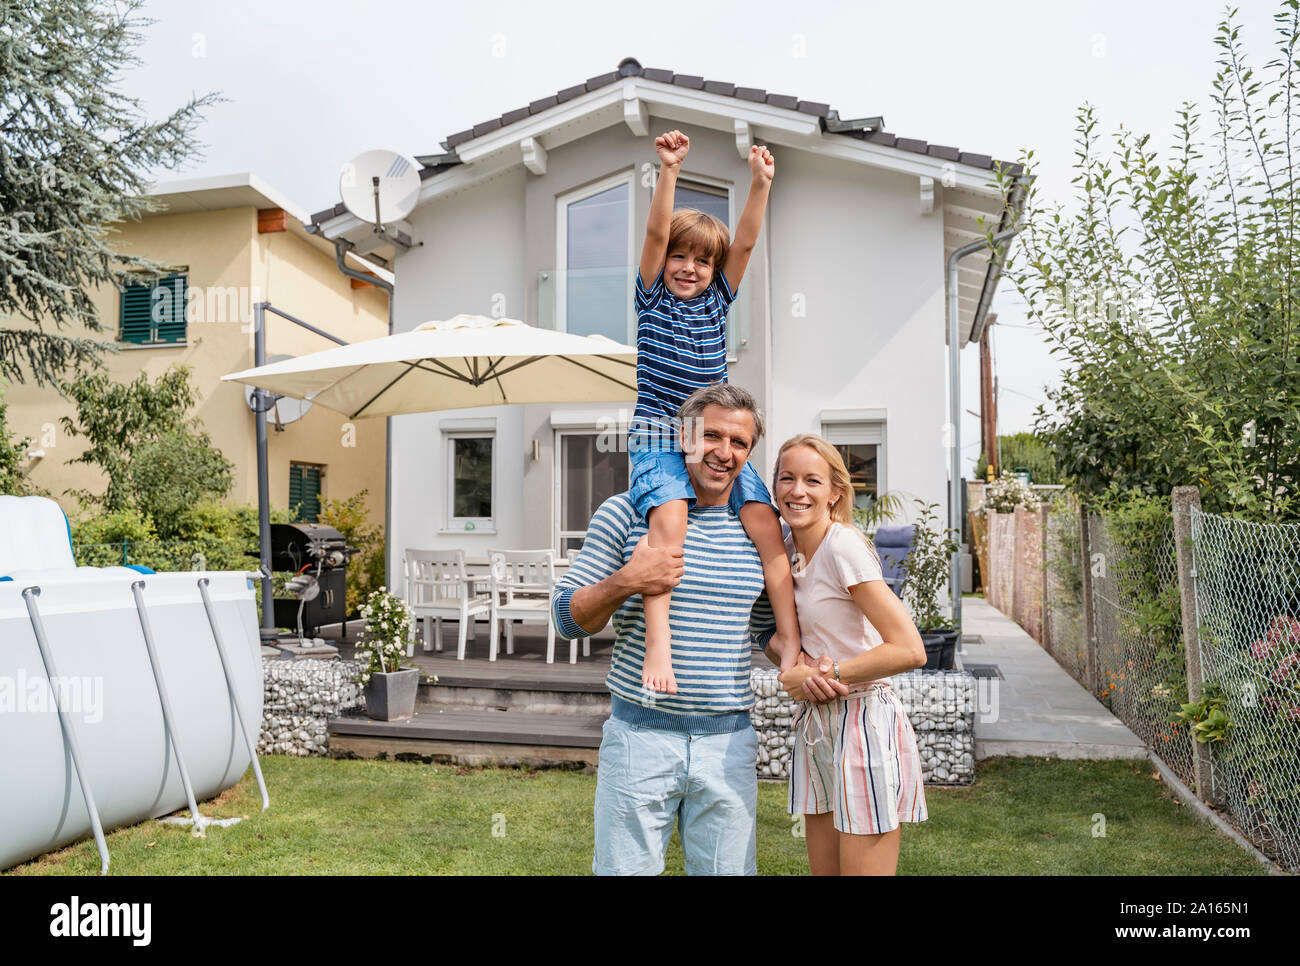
390,689
926,574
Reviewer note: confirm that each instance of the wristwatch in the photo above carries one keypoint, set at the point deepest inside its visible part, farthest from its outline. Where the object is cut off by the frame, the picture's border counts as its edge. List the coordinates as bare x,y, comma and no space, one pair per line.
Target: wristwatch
836,668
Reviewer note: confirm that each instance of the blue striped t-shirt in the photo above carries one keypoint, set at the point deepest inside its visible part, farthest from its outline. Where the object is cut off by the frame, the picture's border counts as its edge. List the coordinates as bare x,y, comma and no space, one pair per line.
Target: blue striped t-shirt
681,346
718,611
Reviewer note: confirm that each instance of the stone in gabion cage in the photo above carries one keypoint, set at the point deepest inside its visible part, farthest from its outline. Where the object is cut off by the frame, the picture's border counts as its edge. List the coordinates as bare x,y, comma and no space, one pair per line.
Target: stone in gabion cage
940,706
299,697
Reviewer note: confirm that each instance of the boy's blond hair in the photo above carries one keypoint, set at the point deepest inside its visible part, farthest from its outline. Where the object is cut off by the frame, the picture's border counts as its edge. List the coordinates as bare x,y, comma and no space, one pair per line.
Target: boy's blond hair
696,231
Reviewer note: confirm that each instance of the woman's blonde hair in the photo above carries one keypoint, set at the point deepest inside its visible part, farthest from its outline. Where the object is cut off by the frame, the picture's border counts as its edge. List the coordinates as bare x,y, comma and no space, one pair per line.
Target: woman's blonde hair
842,508
696,231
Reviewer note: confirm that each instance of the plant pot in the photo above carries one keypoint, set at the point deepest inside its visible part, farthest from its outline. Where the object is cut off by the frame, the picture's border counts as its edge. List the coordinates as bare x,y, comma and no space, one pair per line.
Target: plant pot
940,649
391,696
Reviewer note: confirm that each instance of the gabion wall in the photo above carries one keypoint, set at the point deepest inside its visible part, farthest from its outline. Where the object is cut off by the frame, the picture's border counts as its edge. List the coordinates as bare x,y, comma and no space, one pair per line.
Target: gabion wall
298,698
940,706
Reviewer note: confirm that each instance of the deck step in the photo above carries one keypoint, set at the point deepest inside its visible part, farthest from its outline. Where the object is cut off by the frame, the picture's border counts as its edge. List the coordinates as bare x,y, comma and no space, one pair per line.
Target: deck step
471,736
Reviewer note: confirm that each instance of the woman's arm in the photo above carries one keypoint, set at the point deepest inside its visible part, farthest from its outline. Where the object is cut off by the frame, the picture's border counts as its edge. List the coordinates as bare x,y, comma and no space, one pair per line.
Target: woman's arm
902,650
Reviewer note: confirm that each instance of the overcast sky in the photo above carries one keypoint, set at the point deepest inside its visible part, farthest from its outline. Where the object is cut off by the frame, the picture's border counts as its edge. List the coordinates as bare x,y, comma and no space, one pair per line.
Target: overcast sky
312,84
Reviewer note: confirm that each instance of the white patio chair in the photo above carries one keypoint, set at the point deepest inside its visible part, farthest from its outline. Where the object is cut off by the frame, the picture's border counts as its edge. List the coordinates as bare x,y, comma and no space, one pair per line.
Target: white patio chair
521,586
571,556
437,587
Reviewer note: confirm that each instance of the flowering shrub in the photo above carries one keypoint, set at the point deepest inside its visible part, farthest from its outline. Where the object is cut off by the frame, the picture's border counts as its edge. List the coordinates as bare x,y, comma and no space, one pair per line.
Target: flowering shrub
388,627
1279,651
1005,494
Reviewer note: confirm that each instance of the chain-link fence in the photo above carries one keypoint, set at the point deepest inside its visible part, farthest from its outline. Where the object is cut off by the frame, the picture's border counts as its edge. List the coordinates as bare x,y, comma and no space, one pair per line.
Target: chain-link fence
1063,632
1248,614
1137,622
166,556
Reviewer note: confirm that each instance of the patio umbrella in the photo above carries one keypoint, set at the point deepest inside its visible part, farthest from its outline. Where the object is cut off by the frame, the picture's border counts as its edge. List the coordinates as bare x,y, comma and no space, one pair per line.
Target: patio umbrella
465,361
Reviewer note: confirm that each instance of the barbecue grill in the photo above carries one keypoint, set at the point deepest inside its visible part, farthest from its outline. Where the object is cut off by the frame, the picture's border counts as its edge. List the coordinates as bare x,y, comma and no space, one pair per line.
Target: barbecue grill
318,557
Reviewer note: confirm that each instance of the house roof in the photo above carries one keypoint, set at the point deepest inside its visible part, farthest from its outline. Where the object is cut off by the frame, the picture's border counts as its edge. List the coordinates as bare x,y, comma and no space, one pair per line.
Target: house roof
865,129
971,196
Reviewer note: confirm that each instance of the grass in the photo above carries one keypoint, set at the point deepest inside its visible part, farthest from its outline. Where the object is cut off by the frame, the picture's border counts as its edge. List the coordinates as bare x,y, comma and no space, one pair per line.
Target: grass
340,817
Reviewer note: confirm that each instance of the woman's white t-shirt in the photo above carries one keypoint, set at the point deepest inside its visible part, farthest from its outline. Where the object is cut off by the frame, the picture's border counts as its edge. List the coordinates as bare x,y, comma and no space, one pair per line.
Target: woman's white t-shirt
830,622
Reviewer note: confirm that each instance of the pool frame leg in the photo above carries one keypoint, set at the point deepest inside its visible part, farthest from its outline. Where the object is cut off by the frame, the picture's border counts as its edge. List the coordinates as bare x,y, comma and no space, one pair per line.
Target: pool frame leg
69,736
198,819
234,696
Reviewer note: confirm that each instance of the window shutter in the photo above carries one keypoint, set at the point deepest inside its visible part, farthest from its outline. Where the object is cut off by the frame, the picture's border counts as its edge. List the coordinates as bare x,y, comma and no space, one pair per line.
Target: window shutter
295,490
137,305
304,491
169,309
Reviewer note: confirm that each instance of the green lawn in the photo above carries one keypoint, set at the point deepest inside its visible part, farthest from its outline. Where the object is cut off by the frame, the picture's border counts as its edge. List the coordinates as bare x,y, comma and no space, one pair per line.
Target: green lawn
338,817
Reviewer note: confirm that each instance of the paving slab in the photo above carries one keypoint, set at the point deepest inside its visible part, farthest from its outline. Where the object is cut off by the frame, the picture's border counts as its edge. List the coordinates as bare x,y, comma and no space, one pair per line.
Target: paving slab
1037,709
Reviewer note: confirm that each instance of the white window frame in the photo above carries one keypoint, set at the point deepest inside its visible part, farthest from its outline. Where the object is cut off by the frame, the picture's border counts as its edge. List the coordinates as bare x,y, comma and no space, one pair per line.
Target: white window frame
740,321
453,430
562,203
576,424
862,426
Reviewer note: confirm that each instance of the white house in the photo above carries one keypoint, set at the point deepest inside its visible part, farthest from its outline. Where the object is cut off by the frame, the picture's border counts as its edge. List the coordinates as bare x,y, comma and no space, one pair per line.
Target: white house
539,213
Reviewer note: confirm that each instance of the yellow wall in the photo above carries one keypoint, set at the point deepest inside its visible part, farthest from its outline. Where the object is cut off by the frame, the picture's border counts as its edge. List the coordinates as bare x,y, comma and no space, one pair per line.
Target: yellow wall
223,249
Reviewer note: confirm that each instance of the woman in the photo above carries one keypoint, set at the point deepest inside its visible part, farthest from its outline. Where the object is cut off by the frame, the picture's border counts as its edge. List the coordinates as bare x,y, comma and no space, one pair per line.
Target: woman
856,773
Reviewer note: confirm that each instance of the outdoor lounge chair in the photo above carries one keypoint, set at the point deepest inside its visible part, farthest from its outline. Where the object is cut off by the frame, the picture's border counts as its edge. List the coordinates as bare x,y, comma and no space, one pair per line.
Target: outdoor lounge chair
522,582
894,544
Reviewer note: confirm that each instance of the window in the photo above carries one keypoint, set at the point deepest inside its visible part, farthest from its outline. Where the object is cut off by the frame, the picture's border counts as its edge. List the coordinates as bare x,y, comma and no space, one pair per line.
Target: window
594,283
153,313
715,200
470,488
304,491
859,435
589,474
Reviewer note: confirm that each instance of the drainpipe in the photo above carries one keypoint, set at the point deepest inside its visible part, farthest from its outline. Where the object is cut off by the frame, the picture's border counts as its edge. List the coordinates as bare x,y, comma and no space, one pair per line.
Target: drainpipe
954,412
341,246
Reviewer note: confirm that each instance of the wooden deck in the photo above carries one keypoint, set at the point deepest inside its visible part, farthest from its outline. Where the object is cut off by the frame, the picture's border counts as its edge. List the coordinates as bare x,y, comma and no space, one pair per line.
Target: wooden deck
516,710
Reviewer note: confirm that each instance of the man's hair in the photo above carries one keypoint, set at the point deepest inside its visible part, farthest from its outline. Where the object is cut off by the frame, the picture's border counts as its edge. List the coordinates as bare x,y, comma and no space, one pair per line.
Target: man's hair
692,230
727,396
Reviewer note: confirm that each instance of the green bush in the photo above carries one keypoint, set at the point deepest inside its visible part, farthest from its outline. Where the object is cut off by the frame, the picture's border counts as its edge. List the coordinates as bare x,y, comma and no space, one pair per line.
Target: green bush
366,570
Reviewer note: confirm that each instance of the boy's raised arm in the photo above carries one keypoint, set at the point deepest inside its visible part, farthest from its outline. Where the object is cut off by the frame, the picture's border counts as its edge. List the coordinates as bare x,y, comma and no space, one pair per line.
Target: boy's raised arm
762,169
671,148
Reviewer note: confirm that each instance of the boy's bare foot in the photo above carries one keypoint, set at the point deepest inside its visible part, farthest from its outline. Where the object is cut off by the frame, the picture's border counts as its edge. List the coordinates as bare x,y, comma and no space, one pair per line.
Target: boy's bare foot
657,671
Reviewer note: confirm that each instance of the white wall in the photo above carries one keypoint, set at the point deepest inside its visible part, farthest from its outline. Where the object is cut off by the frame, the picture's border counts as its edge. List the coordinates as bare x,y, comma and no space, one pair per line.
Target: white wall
851,250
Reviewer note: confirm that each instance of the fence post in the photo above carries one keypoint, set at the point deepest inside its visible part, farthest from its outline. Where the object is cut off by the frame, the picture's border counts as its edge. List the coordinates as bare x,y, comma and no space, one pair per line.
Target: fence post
1044,511
1184,498
1089,625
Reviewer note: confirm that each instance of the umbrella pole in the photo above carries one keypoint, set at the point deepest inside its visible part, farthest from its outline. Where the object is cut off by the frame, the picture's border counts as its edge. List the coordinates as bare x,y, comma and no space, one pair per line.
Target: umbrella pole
263,478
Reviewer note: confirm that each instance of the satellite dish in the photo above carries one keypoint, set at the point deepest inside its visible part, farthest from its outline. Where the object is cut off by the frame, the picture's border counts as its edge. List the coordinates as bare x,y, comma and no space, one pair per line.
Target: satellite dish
380,187
284,410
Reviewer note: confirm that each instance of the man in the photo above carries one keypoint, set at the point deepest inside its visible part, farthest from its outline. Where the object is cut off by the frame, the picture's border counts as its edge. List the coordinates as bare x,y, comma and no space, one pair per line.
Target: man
687,757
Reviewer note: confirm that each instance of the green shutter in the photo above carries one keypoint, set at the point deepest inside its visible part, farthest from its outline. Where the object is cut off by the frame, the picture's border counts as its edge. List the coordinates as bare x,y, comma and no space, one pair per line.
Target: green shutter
304,491
154,313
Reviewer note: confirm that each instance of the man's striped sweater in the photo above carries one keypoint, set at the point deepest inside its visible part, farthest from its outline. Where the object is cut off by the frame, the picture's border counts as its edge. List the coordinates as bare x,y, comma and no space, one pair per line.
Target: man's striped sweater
718,611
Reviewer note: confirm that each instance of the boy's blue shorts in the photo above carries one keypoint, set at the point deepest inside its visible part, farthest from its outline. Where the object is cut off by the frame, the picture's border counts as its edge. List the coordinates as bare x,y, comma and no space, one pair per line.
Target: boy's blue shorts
659,476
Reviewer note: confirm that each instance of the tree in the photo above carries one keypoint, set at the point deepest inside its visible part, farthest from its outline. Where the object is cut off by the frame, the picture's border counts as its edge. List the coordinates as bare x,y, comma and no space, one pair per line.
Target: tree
12,455
157,459
1173,293
74,154
1022,449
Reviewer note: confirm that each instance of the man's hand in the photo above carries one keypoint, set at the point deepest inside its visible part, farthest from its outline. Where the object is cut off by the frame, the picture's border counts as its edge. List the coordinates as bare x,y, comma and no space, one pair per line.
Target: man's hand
672,148
653,570
761,164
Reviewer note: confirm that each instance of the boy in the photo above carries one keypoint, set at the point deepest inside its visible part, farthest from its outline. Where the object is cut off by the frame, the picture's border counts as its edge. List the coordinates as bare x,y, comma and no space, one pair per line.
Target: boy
688,277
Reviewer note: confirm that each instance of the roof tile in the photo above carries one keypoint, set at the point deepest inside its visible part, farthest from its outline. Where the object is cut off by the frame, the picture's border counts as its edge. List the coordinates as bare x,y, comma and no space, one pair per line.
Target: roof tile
943,151
569,93
693,81
911,144
460,137
976,160
720,87
813,107
881,137
600,80
655,74
542,104
518,114
783,100
486,126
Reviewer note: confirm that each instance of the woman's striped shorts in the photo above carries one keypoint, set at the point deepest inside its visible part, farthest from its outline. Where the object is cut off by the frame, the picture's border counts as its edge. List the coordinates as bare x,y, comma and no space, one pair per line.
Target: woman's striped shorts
856,757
